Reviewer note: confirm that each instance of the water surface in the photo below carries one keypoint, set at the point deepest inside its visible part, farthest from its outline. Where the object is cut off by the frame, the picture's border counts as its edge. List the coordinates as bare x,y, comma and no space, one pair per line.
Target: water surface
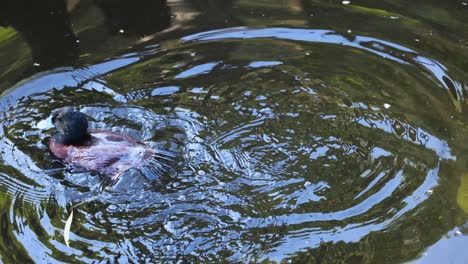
310,131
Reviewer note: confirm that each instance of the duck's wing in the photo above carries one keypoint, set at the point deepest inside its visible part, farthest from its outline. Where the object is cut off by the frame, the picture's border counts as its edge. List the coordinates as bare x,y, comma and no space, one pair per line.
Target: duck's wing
94,158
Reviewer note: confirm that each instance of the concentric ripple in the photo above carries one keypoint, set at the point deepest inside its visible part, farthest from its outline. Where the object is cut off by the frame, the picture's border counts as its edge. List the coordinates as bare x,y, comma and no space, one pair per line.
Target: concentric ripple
286,139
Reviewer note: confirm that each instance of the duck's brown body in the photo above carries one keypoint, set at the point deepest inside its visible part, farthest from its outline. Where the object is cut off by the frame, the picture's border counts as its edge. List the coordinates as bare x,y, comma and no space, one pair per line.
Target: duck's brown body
106,152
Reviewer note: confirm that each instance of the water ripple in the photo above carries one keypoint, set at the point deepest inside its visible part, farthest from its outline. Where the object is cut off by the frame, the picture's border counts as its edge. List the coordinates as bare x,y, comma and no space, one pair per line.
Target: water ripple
276,152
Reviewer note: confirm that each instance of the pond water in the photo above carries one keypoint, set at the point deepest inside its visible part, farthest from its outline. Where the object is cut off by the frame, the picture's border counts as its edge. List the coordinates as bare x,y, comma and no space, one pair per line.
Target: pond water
303,131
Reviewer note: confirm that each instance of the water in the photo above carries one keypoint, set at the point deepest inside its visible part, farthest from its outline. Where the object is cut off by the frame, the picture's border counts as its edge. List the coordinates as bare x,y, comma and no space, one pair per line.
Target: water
304,131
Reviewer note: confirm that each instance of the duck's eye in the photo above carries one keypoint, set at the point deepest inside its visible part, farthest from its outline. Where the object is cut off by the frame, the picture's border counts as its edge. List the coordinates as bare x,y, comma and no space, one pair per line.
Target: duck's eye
56,118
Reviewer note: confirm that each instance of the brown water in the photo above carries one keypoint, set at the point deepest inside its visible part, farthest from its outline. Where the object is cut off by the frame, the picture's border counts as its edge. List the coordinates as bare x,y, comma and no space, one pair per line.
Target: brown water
304,131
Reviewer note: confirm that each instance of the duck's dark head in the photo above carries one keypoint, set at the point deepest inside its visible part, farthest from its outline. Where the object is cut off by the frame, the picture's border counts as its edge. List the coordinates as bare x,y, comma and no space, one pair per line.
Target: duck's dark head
71,125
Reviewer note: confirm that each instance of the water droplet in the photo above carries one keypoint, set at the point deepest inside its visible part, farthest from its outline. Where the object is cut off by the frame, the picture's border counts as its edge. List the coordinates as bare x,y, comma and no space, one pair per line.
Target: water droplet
234,215
169,227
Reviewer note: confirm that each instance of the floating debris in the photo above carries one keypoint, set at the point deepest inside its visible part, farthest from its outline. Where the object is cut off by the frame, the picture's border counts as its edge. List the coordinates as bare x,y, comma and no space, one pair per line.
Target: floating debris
66,233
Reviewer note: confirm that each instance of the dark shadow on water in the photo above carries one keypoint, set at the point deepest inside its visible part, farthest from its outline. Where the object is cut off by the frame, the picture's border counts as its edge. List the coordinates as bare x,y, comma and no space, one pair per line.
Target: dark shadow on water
46,27
140,17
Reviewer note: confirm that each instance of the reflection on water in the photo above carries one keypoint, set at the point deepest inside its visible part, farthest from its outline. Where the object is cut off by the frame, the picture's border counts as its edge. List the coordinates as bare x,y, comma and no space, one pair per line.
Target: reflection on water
315,145
52,41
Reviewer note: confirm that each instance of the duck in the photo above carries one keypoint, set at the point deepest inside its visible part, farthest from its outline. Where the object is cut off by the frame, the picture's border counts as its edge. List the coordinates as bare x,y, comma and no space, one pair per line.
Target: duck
106,152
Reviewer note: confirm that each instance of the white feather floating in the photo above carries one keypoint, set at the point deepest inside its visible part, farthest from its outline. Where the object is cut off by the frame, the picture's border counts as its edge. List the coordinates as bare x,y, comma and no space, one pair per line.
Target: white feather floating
66,233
